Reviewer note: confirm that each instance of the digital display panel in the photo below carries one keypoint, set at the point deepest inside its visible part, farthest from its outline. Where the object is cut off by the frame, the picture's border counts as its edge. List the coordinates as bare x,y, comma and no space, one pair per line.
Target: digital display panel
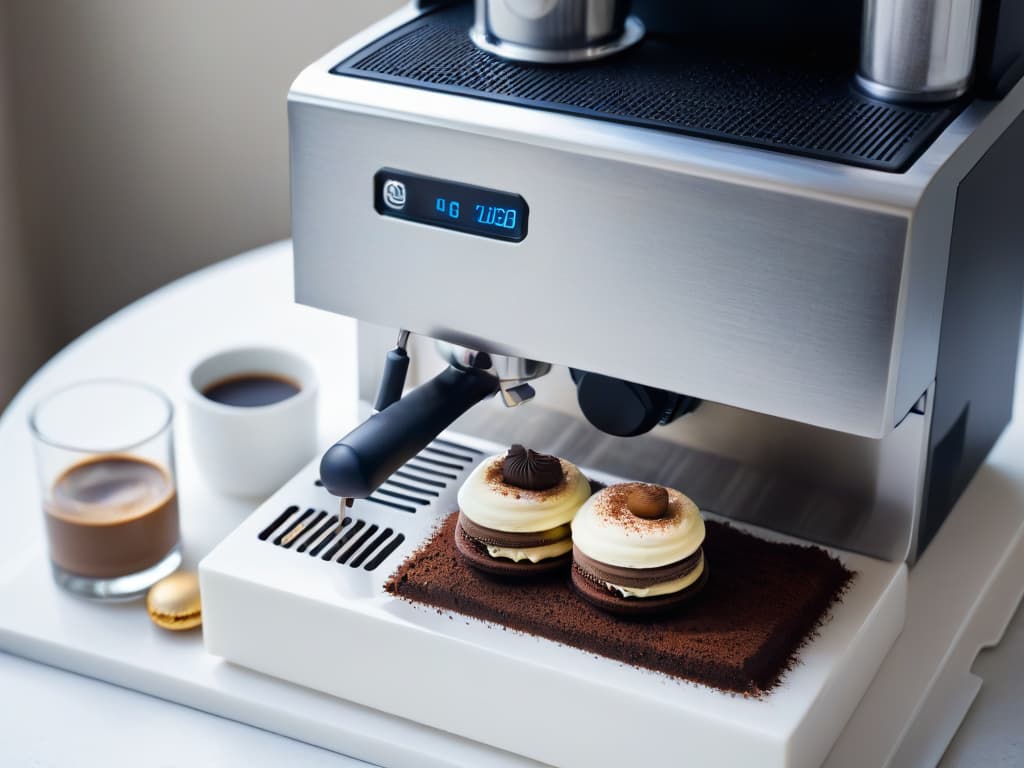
451,205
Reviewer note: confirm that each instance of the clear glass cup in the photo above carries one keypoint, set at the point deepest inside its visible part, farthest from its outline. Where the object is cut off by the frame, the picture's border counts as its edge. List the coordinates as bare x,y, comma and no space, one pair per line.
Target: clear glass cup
105,463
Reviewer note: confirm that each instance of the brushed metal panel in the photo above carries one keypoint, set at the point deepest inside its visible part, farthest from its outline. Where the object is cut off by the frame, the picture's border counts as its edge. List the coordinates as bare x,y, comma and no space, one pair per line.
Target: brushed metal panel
924,193
745,295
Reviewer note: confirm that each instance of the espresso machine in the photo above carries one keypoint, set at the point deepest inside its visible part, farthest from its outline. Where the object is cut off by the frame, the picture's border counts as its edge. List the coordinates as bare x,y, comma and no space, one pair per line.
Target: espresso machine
769,254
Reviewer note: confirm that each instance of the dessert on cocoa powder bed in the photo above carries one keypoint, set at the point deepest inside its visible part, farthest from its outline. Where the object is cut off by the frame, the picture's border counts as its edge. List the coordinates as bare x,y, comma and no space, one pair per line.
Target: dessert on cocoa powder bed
761,603
515,513
637,550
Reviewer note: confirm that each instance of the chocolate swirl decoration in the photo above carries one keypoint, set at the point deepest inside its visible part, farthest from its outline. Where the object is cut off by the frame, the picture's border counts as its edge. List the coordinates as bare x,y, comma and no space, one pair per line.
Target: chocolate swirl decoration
530,470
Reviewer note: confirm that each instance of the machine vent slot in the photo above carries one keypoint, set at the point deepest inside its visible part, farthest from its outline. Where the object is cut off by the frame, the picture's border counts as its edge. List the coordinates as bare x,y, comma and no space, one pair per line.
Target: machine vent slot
430,470
438,462
802,105
462,459
376,499
332,532
278,522
317,534
358,543
465,449
383,491
419,490
369,549
294,530
422,479
349,529
343,558
385,552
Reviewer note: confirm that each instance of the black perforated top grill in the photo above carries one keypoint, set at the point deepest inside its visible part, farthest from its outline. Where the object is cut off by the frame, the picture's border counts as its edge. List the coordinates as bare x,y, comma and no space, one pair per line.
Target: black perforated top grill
794,107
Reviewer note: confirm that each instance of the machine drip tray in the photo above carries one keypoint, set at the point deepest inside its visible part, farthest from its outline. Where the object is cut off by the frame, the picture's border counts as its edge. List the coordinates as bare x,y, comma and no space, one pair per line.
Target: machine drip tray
290,577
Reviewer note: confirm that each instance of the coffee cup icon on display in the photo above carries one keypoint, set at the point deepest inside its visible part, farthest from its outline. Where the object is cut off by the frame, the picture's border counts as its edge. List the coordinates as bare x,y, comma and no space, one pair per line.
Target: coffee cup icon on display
394,194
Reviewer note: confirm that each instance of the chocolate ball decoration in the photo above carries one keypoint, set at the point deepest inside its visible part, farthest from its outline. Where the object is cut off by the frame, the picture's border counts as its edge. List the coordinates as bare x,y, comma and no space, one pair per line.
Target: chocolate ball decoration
648,501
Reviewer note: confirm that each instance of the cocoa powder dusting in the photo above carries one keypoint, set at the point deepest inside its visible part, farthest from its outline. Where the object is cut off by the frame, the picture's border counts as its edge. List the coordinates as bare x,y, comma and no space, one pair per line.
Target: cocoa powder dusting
762,602
613,506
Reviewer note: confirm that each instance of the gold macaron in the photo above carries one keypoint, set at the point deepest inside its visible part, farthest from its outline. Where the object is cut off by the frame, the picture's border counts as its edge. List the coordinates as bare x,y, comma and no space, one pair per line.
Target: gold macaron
173,602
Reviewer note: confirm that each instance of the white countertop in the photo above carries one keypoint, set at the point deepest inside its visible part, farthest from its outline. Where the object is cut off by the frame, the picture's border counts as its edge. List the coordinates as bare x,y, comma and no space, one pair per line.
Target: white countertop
49,717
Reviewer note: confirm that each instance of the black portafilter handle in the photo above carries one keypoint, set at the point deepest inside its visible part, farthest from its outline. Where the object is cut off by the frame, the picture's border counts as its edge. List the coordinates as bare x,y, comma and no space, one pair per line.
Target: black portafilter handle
392,381
356,465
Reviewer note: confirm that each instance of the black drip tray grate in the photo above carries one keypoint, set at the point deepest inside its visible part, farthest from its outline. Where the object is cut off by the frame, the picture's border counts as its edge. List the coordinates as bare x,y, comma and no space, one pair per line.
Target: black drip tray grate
358,543
798,108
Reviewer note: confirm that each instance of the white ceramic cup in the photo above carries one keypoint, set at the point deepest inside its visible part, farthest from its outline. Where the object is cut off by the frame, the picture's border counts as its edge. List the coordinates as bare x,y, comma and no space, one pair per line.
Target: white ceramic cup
252,450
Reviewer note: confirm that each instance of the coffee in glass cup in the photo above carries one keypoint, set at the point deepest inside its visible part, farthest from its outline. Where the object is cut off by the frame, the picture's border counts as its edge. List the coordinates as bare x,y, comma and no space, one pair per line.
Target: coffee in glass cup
104,454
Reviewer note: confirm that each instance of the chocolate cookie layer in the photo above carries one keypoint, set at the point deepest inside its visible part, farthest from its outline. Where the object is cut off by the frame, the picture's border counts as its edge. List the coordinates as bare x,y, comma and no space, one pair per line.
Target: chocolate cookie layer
598,594
740,634
476,555
639,578
512,540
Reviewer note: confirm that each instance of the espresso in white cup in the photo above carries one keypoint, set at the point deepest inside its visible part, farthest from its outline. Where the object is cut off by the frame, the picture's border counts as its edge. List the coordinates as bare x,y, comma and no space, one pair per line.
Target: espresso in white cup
253,418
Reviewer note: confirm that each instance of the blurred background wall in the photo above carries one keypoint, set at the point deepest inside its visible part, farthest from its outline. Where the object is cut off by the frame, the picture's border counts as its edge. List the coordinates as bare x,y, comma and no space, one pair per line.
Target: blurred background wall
19,338
139,141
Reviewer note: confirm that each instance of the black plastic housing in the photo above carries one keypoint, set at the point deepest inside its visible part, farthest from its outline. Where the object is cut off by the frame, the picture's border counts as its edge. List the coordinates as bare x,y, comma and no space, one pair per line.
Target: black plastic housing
1000,60
981,326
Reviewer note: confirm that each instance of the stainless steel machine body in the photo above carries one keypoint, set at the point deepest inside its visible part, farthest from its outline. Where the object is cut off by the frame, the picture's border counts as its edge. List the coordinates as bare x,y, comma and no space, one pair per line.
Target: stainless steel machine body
805,301
555,31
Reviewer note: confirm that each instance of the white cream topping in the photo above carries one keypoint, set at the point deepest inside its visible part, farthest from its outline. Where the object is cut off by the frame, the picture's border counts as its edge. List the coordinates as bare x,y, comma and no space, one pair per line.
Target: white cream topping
664,588
515,510
605,530
533,554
